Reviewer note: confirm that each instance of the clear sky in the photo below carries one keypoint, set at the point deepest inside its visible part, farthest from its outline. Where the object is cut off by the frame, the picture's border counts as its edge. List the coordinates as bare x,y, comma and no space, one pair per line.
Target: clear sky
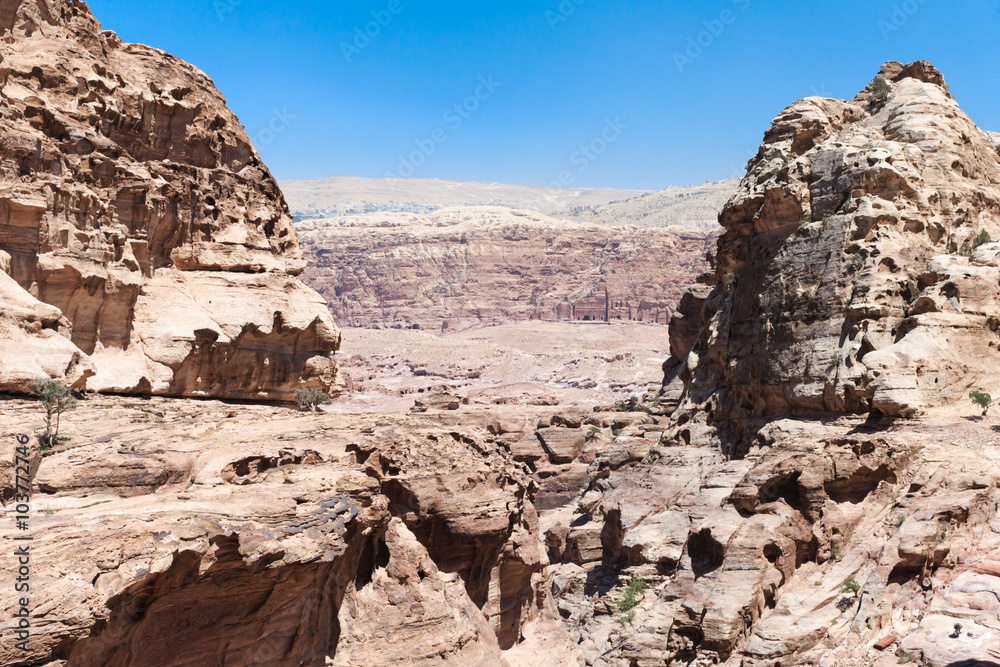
660,93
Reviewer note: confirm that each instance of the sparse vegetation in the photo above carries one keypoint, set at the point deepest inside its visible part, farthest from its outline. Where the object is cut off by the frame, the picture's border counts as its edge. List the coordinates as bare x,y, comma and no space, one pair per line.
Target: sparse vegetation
851,586
628,405
900,519
626,619
969,245
854,263
835,552
593,433
843,604
982,399
630,598
616,432
904,658
56,398
311,398
880,90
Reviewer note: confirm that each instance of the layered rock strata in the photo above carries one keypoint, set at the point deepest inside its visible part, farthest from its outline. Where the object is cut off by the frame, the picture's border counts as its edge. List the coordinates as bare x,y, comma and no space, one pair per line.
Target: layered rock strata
180,532
132,201
843,282
823,492
469,266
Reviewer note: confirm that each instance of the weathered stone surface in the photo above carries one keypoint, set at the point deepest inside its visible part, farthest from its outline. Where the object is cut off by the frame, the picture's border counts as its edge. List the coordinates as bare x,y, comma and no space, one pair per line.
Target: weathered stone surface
413,614
787,516
132,201
35,341
467,266
270,536
839,284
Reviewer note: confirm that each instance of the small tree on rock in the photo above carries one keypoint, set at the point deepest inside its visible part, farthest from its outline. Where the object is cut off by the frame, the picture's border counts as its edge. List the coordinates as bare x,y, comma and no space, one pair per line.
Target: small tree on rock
56,398
311,398
982,399
880,90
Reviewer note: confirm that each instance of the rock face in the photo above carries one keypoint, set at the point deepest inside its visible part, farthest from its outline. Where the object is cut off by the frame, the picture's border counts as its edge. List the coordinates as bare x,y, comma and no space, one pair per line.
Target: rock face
36,341
840,284
818,488
466,266
132,201
266,536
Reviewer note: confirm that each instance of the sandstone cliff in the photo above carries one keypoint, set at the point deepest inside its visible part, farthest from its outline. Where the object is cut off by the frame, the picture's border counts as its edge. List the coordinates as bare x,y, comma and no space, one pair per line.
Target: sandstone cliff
823,492
133,204
840,284
466,266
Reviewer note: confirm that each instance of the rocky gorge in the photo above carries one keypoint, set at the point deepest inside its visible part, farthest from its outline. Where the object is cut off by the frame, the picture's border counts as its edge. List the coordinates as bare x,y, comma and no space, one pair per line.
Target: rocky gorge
810,485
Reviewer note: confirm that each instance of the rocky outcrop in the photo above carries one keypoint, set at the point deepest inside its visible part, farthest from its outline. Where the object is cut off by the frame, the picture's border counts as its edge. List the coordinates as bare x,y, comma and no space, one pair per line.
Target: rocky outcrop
789,514
36,341
461,267
843,281
132,201
269,537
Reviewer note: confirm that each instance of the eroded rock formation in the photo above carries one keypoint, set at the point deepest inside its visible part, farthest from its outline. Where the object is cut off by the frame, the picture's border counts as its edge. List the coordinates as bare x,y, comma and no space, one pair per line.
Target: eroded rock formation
467,266
822,492
840,283
263,536
132,201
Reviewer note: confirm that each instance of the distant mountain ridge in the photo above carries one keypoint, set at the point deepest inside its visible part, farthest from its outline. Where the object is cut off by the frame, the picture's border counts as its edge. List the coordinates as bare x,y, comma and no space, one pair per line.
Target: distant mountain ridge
693,207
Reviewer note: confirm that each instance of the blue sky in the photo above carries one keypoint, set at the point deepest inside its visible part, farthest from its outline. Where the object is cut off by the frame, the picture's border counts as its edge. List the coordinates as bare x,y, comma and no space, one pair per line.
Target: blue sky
537,80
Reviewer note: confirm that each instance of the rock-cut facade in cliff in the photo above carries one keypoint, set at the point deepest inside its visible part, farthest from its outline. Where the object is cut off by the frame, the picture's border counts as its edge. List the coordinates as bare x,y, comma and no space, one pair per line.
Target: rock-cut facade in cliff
846,279
135,210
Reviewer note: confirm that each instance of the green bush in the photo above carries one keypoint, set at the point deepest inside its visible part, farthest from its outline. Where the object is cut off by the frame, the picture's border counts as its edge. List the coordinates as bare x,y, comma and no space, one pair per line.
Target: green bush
851,586
880,90
631,596
56,398
981,239
628,405
982,399
311,398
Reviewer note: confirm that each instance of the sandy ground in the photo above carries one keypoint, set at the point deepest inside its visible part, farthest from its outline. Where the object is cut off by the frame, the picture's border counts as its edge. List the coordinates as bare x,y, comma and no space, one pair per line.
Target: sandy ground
523,363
